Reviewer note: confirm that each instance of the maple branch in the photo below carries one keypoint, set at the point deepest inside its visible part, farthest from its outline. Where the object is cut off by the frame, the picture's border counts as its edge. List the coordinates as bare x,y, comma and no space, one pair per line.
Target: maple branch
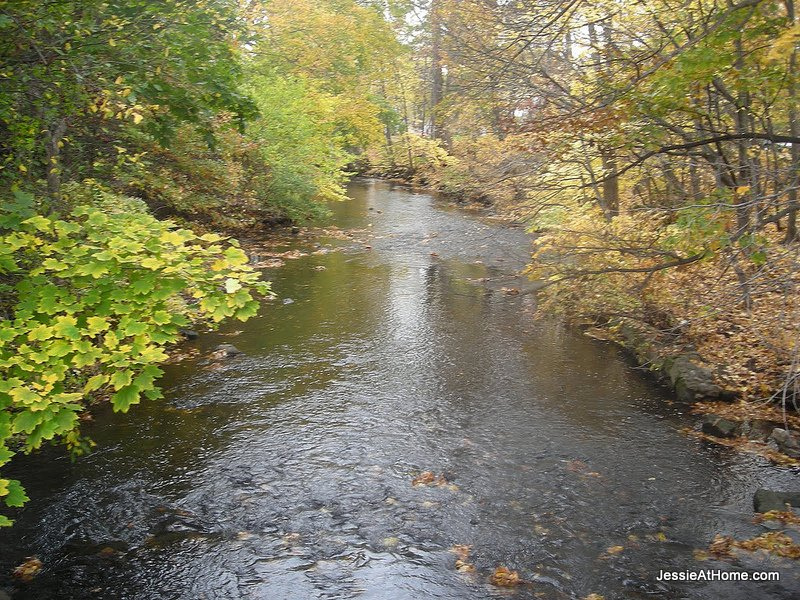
652,269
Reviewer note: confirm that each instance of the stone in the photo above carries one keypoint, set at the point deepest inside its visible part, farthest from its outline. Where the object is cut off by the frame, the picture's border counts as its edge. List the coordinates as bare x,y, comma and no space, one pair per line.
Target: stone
767,500
757,429
720,426
189,334
786,441
691,381
226,351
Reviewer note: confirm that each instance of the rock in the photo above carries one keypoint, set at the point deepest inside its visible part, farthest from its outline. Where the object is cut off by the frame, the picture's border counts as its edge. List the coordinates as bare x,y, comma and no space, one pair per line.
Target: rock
177,524
4,595
189,334
226,351
786,441
288,301
720,426
766,500
757,429
691,381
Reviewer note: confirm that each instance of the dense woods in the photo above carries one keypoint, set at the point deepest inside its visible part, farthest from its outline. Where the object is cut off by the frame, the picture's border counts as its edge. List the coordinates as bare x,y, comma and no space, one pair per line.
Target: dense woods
653,147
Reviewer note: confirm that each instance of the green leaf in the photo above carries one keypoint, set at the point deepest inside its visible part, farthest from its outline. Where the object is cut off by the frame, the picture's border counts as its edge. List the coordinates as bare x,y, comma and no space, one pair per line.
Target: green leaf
124,398
66,327
26,421
24,395
120,379
146,379
235,256
5,455
162,317
40,333
95,383
136,329
65,420
143,285
96,324
16,494
152,263
95,269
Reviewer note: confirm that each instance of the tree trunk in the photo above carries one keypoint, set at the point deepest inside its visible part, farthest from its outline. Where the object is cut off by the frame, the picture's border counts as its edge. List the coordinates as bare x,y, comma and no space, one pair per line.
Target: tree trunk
437,73
610,182
794,130
744,169
53,137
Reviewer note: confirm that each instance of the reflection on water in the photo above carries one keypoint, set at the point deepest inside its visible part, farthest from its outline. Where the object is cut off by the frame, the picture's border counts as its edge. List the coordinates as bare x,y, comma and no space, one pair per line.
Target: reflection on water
287,472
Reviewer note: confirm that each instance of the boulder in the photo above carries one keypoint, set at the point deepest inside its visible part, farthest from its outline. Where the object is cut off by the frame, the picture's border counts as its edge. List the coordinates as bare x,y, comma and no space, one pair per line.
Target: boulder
720,426
691,381
225,351
189,334
786,441
757,429
767,500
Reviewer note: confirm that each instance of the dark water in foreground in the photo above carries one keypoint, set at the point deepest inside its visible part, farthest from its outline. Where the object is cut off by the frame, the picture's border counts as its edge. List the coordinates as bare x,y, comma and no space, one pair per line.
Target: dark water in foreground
286,474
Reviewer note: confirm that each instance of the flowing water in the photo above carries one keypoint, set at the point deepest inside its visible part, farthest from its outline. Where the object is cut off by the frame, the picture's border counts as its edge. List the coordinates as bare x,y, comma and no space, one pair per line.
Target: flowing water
286,473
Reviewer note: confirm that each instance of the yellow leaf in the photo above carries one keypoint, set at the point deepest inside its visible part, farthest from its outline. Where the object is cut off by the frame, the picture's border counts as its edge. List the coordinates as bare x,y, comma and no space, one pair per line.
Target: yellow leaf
232,285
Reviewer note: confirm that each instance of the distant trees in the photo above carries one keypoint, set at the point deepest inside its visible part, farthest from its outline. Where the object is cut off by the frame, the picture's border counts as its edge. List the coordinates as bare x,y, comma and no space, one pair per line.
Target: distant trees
214,112
639,139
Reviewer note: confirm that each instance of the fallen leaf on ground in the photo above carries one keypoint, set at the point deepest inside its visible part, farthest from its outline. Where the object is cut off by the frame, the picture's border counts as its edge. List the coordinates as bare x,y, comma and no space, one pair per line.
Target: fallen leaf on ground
784,516
423,478
29,569
504,577
775,542
463,566
429,478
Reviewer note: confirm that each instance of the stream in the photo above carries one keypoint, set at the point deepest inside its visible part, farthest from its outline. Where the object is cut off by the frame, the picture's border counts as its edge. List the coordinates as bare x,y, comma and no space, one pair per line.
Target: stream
397,349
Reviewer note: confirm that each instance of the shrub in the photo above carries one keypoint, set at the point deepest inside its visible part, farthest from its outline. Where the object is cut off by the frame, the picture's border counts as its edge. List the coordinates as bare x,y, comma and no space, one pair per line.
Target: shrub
89,303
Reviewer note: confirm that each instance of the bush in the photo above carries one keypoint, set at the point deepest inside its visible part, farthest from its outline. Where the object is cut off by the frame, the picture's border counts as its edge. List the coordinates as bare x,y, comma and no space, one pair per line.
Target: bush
89,303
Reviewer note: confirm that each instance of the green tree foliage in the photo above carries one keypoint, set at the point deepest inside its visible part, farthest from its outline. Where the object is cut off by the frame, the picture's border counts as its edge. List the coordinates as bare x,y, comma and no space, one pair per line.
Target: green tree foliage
214,112
74,72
